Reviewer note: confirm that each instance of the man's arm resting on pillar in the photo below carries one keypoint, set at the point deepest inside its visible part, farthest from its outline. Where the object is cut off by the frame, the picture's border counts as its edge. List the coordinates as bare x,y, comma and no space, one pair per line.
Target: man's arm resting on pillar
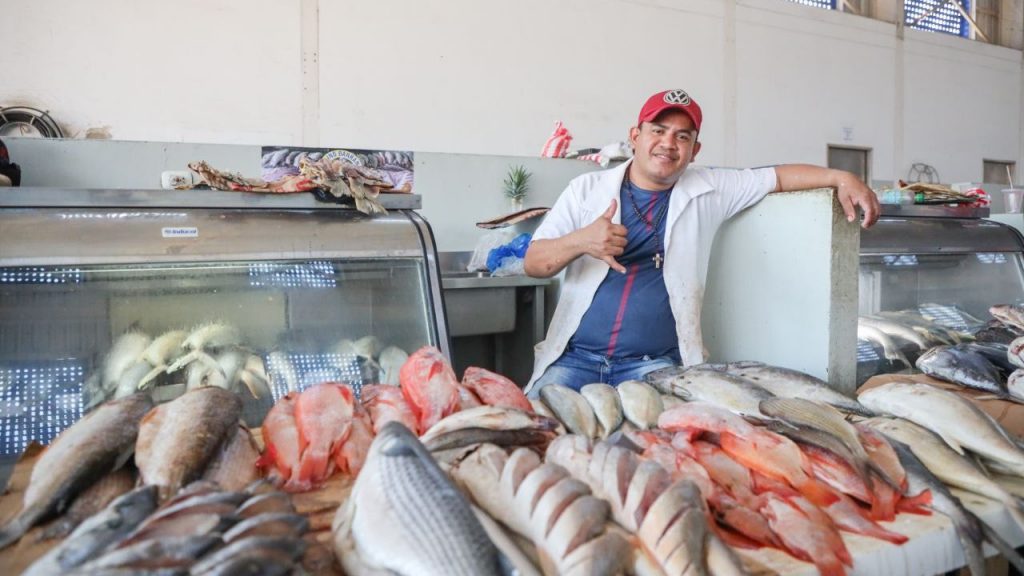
850,191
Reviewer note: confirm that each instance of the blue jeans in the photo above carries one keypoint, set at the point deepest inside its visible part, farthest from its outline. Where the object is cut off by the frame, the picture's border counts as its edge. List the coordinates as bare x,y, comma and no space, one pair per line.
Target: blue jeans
576,368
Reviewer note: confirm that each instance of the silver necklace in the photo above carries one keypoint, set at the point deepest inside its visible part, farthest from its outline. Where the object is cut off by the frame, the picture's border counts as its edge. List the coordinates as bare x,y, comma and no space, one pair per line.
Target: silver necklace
654,223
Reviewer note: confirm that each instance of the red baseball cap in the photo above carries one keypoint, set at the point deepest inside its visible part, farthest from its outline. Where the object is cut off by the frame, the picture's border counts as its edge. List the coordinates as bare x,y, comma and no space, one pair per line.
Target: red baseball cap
674,99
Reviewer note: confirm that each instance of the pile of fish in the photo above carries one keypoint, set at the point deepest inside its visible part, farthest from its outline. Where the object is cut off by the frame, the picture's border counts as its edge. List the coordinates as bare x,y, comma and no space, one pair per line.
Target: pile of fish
987,357
197,436
211,354
325,428
203,529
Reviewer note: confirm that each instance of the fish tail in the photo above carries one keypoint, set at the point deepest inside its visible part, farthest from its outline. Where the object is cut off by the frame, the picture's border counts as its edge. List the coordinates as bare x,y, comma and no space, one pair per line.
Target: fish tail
1004,547
916,504
829,565
818,492
13,531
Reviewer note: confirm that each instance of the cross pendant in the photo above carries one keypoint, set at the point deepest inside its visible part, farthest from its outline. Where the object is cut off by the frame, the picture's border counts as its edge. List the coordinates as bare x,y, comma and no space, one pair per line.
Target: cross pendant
657,260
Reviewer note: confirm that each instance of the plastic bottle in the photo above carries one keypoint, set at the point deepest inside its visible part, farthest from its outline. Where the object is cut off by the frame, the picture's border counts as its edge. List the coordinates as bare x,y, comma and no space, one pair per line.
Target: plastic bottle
896,196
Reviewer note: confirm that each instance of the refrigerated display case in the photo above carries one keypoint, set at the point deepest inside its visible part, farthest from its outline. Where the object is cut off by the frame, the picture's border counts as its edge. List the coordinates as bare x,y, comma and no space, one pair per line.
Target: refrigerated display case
947,271
267,293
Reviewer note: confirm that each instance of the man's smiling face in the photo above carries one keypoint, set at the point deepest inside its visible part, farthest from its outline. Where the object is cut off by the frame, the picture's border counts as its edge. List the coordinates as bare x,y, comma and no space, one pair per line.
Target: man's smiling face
662,149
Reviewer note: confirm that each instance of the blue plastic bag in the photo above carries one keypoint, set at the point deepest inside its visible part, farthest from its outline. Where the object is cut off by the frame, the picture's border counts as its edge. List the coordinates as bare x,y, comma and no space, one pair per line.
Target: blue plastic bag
514,249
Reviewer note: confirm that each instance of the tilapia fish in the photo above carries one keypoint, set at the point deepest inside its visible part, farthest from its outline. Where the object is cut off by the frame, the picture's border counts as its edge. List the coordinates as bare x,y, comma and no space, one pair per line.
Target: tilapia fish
404,516
788,383
78,457
177,440
961,365
957,421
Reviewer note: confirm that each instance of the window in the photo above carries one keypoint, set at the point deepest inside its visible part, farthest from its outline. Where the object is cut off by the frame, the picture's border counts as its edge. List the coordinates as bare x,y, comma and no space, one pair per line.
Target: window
999,172
937,16
856,160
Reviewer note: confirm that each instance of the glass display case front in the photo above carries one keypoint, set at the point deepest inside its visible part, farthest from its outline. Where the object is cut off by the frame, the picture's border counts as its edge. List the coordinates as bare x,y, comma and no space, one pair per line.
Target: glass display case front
931,281
97,303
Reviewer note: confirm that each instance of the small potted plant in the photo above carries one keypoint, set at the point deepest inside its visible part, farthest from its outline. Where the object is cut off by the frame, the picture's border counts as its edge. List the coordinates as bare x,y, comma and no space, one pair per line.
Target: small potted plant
517,183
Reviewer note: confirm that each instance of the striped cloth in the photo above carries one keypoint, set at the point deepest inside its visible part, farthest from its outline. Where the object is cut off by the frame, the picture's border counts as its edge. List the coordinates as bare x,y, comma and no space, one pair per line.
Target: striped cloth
558,143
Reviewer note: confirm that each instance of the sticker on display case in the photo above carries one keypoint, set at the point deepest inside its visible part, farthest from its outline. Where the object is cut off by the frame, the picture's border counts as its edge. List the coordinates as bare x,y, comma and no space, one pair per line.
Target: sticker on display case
180,232
390,166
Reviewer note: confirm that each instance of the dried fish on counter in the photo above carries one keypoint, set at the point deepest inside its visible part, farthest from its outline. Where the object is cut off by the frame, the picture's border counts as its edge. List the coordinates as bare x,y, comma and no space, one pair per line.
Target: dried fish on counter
405,517
82,454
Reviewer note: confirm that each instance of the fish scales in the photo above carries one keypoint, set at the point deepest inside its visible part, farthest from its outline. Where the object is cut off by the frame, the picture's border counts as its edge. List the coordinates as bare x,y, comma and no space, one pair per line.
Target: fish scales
76,459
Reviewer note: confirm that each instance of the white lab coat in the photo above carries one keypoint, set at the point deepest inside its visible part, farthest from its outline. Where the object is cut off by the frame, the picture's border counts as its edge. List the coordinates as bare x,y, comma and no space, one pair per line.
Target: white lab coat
701,200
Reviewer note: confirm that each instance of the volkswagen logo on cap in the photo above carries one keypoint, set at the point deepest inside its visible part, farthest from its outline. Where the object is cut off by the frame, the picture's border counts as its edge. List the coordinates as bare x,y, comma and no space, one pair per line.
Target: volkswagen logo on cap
677,97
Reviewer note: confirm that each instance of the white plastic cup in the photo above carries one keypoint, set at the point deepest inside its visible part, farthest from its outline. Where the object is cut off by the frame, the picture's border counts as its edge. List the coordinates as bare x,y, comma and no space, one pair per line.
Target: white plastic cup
1014,198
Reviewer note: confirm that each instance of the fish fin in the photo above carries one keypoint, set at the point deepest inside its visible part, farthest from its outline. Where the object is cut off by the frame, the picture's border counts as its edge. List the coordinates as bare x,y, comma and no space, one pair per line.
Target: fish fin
1004,547
123,457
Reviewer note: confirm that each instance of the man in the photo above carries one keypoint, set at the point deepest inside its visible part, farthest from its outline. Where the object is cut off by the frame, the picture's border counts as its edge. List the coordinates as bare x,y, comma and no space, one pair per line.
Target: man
632,295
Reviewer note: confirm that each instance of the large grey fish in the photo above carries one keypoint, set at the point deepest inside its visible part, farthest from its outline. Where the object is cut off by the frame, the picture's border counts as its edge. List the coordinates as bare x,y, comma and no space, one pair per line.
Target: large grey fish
178,439
962,366
825,418
166,552
970,529
996,353
952,468
957,421
96,533
429,525
717,387
78,457
1010,314
788,383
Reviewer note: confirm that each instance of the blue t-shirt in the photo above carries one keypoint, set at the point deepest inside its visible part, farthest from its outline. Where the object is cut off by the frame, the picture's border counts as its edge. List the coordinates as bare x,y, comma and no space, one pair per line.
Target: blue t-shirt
630,315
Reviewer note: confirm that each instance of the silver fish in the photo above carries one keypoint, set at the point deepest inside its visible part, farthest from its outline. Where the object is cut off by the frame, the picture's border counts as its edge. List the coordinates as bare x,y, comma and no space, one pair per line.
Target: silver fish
430,526
897,329
957,421
168,552
825,418
604,400
788,383
952,468
889,348
271,524
961,366
571,409
78,457
97,533
493,424
971,530
641,403
730,391
277,551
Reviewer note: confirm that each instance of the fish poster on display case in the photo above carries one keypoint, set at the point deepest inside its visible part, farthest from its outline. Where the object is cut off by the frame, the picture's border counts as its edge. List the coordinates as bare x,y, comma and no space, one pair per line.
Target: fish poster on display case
393,167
